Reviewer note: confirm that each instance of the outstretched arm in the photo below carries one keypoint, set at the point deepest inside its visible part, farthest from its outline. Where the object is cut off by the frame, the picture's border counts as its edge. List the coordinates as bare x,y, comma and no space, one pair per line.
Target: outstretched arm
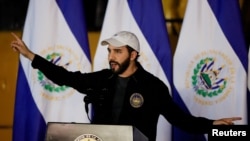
19,46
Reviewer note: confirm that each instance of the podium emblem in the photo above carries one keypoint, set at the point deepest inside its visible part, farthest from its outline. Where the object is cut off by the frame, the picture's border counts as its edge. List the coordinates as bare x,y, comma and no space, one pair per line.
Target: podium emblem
88,137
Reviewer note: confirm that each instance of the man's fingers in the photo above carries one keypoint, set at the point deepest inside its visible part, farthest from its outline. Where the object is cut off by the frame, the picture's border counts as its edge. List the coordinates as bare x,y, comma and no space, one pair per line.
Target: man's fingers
235,118
14,45
226,121
16,37
19,42
230,120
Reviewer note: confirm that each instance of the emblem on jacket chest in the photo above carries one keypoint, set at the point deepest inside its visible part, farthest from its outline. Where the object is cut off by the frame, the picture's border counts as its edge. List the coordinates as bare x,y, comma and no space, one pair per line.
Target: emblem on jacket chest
136,100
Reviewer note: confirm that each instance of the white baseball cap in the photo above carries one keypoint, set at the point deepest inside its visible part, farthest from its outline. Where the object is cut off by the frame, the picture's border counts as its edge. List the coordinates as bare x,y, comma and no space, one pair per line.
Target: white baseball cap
123,38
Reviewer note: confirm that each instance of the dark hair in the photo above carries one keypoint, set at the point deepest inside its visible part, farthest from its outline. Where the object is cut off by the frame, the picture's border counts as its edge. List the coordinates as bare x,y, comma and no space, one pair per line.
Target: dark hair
130,50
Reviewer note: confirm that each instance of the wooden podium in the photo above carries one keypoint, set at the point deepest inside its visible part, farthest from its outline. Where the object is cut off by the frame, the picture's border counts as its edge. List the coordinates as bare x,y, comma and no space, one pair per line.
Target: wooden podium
57,131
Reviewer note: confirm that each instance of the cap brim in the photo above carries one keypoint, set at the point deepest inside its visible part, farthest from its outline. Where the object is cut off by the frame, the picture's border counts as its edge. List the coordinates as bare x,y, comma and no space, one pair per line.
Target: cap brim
112,42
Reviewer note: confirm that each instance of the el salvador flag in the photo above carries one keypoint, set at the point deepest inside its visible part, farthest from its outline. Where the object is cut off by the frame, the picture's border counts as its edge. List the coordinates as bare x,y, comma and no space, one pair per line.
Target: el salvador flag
146,19
54,29
210,63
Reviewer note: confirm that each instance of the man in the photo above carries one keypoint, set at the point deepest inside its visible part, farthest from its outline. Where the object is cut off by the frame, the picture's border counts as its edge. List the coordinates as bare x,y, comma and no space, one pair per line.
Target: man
125,94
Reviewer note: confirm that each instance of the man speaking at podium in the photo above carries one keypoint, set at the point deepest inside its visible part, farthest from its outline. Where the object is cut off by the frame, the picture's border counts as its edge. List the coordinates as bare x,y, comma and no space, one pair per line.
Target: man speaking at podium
125,94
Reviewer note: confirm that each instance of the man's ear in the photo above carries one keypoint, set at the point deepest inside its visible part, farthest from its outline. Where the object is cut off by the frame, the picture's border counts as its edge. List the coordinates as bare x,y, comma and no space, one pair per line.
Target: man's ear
133,55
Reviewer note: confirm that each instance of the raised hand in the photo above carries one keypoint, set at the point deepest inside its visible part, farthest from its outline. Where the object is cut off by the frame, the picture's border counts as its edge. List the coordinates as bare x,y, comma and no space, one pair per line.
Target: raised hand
19,46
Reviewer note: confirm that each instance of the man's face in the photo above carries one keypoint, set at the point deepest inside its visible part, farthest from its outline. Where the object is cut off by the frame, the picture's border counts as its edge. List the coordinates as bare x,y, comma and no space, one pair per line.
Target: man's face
119,59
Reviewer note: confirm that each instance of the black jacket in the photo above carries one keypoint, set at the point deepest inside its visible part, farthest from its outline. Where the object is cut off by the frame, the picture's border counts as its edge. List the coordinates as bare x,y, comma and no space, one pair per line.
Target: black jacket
146,98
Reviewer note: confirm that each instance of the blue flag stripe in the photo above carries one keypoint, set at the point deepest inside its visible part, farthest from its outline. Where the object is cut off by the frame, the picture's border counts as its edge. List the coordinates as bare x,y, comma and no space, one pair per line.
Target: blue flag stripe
26,113
178,134
77,25
154,32
231,25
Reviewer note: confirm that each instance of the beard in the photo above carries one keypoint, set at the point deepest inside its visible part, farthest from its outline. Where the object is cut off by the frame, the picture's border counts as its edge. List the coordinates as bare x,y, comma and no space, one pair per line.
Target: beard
121,66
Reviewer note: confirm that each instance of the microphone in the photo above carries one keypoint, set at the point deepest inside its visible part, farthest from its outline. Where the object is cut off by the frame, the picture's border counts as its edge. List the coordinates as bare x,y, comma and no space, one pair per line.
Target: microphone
86,101
95,97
